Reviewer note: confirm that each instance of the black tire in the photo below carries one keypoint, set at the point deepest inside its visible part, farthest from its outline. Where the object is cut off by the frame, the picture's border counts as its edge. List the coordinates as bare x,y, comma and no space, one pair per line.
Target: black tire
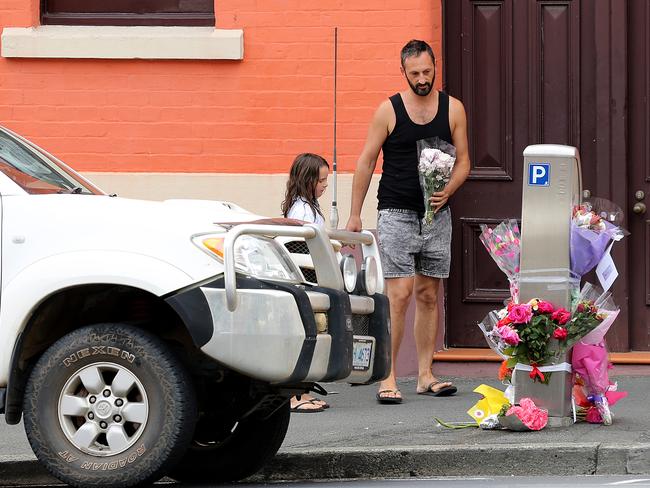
109,406
251,445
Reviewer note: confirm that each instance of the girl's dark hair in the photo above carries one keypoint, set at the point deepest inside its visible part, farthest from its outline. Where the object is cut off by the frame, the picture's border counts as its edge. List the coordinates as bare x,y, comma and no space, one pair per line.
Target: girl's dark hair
303,176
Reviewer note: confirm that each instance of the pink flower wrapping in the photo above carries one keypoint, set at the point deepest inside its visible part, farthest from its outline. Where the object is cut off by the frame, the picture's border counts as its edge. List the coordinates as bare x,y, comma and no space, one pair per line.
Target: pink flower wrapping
593,416
532,417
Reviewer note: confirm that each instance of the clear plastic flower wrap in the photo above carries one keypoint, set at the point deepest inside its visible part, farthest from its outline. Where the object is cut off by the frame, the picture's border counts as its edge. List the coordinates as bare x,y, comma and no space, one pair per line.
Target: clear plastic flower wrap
592,314
492,336
503,243
436,160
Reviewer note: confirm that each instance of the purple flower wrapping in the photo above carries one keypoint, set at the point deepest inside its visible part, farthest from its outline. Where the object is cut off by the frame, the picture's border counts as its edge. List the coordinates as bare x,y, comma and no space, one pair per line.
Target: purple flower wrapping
588,247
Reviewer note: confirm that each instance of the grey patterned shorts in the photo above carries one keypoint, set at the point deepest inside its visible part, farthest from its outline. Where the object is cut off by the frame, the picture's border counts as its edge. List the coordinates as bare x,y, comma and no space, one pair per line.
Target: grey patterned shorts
408,246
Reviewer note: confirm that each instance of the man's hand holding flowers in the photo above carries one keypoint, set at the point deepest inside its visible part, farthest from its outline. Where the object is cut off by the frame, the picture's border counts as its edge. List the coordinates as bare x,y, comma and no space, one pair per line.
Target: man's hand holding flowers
439,199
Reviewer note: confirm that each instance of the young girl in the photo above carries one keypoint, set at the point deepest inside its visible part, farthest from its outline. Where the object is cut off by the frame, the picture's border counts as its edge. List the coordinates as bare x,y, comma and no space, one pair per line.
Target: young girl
307,182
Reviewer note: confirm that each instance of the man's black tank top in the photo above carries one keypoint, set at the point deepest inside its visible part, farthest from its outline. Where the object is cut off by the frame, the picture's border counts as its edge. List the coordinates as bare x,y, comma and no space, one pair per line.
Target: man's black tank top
399,186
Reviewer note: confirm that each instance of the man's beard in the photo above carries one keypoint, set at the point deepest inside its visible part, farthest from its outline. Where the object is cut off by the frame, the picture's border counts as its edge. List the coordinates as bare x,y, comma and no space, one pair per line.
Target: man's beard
421,90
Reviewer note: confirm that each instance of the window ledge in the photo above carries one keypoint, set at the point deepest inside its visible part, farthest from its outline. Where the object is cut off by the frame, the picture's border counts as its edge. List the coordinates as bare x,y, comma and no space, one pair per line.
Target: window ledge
112,42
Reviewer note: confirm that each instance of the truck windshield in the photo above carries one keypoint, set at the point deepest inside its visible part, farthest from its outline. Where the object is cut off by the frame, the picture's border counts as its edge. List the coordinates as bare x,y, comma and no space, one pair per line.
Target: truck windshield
37,172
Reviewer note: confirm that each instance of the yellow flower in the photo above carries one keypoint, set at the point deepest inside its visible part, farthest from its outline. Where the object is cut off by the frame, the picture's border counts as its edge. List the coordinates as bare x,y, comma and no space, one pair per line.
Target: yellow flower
534,303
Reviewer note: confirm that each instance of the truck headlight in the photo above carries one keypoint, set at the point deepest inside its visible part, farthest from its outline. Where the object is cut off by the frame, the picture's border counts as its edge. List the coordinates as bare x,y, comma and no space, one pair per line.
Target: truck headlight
257,256
369,275
349,271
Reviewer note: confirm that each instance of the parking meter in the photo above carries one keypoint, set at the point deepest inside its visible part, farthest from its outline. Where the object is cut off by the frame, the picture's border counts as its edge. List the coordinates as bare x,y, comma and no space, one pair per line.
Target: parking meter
551,187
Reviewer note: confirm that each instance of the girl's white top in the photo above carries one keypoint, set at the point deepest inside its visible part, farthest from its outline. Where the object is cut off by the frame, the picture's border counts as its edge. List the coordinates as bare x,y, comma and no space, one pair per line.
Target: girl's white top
301,210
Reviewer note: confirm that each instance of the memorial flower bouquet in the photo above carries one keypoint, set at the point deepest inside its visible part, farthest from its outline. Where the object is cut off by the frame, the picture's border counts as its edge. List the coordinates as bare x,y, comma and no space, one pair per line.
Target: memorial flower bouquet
593,226
593,391
606,312
503,244
536,334
495,411
436,160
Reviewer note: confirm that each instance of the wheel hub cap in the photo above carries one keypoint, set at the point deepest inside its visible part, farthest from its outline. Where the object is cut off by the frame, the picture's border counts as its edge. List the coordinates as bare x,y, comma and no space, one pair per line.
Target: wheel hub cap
103,409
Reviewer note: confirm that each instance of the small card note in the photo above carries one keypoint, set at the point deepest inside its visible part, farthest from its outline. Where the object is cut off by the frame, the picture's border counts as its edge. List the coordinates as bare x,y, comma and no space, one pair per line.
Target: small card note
606,270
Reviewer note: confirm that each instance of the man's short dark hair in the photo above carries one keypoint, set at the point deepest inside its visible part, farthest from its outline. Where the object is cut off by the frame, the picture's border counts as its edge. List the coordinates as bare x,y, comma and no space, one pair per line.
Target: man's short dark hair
416,47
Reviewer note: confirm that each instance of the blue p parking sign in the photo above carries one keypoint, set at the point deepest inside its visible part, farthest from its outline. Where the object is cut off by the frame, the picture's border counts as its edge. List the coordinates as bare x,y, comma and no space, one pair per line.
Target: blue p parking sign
538,174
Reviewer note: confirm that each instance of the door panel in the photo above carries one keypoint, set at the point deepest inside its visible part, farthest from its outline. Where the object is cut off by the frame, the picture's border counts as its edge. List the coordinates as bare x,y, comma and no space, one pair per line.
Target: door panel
555,73
639,160
482,76
535,71
486,86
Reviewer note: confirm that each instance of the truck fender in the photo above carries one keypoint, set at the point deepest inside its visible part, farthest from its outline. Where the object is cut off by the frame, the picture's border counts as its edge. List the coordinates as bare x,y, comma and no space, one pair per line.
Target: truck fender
35,283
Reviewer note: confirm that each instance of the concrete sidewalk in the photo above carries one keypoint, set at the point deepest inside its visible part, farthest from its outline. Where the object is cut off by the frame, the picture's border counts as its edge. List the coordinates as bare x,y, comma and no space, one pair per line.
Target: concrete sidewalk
358,438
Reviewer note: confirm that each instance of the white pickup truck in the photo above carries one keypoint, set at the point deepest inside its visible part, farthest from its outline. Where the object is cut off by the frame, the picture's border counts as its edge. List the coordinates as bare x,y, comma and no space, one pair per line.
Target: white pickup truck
140,339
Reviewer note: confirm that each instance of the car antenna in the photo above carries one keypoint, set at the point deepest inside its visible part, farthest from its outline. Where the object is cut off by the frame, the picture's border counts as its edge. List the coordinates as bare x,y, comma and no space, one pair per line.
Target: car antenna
334,212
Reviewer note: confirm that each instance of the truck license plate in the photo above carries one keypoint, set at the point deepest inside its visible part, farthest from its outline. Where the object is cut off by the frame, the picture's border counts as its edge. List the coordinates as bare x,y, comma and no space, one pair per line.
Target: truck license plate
361,354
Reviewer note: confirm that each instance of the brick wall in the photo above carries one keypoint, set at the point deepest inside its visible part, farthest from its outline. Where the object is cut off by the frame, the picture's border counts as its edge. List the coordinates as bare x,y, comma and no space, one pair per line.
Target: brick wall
249,116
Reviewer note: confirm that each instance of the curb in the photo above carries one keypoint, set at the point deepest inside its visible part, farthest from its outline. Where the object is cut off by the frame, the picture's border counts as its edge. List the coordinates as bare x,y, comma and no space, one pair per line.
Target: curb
24,470
559,459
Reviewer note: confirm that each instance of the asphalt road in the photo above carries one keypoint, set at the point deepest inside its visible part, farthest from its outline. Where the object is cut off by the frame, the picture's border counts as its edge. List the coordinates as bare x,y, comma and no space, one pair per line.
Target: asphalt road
453,482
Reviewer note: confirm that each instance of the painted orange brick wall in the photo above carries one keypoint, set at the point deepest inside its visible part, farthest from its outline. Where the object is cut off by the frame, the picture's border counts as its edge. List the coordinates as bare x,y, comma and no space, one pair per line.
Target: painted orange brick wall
249,116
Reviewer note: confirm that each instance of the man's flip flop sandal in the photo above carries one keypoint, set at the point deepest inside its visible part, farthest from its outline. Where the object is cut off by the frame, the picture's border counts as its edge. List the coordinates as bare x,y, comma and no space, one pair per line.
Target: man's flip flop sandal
444,391
297,408
388,400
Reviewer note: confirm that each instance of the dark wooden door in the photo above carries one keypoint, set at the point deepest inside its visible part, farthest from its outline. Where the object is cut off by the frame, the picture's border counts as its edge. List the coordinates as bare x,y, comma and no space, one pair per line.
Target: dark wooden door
639,176
531,72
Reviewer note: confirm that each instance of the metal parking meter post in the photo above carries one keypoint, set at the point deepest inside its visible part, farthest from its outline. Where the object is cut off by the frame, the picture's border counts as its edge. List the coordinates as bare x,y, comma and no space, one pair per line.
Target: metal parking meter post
551,187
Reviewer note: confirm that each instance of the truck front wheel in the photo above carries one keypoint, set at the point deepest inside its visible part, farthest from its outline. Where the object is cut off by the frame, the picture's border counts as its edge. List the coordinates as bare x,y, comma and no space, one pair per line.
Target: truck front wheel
109,405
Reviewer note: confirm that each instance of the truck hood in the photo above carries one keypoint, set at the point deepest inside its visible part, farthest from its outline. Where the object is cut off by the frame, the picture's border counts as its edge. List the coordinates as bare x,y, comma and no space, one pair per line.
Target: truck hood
46,225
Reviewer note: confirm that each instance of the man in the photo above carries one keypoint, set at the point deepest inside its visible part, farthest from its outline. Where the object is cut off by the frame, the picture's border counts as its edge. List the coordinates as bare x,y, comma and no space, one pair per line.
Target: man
415,255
